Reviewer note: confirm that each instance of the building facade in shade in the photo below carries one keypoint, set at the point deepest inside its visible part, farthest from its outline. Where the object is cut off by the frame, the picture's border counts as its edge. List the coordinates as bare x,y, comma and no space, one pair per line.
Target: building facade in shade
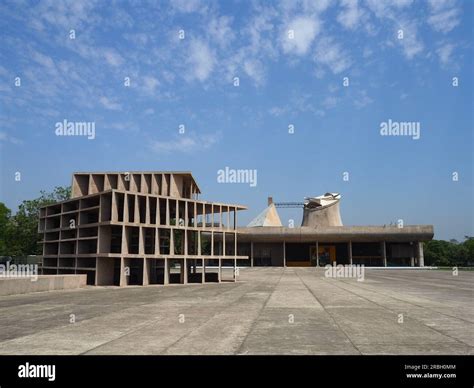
139,228
322,238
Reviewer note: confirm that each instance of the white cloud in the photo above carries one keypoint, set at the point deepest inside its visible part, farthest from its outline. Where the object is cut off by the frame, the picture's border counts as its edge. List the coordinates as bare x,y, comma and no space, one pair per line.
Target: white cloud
331,54
186,143
220,31
350,15
445,52
304,29
188,6
444,15
201,60
5,137
411,44
109,104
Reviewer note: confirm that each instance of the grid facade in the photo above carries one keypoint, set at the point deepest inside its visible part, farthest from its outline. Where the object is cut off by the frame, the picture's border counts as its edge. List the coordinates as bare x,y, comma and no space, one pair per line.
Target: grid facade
139,229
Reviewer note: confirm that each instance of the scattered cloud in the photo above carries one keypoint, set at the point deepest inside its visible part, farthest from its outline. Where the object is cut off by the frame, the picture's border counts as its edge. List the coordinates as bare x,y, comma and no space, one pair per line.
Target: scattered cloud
444,15
331,54
201,60
109,104
299,34
186,143
351,14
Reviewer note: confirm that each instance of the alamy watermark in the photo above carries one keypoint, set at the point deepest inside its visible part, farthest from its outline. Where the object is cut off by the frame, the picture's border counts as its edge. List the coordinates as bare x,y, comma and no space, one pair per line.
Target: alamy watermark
75,128
356,271
19,271
400,128
231,175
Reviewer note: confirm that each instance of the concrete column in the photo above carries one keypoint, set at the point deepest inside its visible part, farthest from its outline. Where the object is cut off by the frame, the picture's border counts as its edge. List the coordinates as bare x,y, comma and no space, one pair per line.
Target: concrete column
317,254
350,252
284,254
223,244
166,273
235,269
251,254
141,238
185,272
421,257
146,272
123,279
219,272
171,241
384,253
412,261
203,274
167,211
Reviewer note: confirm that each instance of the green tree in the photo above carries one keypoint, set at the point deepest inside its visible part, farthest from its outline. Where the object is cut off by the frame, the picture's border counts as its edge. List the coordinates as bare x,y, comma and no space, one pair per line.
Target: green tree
5,215
22,229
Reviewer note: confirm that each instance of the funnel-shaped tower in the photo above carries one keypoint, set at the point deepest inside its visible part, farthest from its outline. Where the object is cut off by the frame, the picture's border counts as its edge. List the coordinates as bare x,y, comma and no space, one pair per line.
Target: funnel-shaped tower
322,211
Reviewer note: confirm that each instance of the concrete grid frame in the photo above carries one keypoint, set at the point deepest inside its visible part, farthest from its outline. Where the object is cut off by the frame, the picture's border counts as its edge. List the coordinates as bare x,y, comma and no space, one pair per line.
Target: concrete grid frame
139,228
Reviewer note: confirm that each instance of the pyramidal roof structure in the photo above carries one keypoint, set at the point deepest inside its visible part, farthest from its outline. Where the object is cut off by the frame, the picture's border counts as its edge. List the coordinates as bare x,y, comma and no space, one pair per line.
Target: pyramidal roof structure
269,217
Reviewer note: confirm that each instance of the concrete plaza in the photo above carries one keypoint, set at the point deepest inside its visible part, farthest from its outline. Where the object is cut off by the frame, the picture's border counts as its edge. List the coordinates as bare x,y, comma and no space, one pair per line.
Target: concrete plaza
269,310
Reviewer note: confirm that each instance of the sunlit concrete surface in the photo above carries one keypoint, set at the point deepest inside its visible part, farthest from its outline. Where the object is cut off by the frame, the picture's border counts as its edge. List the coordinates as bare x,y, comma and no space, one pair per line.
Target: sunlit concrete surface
268,311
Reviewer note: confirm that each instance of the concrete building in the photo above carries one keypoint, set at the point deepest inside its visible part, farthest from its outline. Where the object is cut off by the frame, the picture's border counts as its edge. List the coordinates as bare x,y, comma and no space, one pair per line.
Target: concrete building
322,239
139,228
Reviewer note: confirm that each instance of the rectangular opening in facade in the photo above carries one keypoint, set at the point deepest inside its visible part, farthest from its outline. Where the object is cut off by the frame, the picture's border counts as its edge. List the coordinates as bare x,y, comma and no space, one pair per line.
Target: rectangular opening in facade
178,241
152,204
131,208
146,184
97,183
211,274
51,236
89,216
164,235
135,271
53,222
132,239
194,268
51,248
142,208
70,206
86,262
87,246
205,243
368,254
175,271
157,271
68,262
149,240
106,207
87,203
119,200
88,232
50,261
112,181
68,234
67,248
108,271
192,242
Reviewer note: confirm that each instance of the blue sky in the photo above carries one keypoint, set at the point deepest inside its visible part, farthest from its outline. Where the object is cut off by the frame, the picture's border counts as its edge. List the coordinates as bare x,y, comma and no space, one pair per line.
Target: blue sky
291,59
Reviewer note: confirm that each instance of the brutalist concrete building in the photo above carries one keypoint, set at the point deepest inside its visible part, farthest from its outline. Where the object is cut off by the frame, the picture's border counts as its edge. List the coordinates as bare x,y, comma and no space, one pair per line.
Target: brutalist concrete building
139,228
322,238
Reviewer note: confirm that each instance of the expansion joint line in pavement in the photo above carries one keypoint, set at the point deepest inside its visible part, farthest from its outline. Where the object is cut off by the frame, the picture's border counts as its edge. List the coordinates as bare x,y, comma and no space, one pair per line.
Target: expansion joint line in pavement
328,313
395,312
254,323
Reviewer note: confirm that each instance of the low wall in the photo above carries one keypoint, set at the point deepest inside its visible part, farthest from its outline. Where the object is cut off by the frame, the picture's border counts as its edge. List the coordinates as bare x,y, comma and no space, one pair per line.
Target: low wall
13,286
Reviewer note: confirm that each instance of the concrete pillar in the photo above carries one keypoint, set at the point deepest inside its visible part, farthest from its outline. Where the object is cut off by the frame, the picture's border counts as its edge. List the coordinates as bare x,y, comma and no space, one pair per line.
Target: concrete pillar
203,274
146,272
251,254
421,257
412,261
235,270
185,273
171,241
223,244
349,247
384,253
123,278
284,254
166,272
219,271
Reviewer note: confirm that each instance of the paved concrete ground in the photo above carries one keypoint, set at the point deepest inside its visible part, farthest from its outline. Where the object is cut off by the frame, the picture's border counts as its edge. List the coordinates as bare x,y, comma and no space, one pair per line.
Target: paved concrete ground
269,311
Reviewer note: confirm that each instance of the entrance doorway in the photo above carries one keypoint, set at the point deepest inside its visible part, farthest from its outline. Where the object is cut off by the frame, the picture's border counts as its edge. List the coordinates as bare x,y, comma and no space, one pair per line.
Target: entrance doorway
326,253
